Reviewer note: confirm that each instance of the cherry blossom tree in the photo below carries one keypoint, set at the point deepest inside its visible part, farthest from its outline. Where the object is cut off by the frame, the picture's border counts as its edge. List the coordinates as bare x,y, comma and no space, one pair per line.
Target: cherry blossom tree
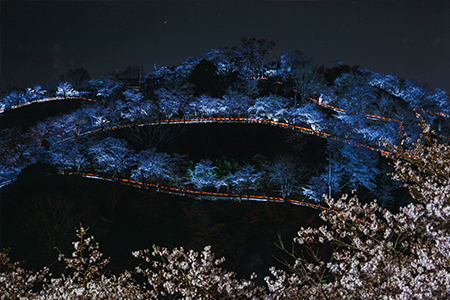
377,254
107,88
152,166
202,175
12,99
245,179
308,113
135,108
271,107
206,107
69,156
65,89
109,155
172,103
291,62
37,92
237,104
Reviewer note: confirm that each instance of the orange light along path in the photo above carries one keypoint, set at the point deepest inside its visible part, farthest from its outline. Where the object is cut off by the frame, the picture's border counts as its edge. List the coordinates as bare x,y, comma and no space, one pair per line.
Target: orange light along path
211,195
231,120
357,113
367,115
338,108
432,112
47,100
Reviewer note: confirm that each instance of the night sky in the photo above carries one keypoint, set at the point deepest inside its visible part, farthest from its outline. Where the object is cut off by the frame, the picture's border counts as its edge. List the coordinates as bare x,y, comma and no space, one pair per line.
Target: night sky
41,40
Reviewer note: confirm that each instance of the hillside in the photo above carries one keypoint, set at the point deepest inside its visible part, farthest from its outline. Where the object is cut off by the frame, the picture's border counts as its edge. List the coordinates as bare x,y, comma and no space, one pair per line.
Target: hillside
230,122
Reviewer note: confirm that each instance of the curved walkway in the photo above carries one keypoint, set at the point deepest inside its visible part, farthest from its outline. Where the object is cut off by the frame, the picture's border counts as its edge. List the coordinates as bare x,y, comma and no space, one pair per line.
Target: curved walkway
205,195
228,120
47,100
358,113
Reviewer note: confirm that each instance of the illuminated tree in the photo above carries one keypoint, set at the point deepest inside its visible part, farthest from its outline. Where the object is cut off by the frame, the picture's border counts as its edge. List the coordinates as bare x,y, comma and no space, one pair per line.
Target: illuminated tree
310,114
172,103
307,82
69,156
36,92
272,107
375,253
292,61
135,108
12,99
150,166
65,89
245,179
107,88
206,107
109,156
237,104
202,175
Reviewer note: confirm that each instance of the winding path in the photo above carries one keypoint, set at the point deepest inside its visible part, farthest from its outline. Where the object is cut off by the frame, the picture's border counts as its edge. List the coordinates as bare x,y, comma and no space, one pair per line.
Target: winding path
47,100
227,120
203,194
369,116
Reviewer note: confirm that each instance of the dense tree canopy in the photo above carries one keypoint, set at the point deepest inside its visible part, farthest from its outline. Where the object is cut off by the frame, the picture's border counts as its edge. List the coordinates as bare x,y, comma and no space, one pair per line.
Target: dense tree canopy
398,251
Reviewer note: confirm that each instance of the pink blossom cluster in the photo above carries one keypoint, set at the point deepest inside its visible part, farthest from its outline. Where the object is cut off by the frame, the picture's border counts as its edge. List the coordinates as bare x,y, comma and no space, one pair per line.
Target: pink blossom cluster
375,254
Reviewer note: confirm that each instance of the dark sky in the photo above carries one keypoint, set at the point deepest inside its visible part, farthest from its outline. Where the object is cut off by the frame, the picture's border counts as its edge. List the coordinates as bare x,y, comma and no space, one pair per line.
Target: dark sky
42,39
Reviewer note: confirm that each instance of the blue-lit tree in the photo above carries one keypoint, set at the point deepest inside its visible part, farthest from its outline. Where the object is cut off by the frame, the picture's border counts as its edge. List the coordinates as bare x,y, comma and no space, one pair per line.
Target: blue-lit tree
351,167
95,116
107,88
172,103
389,83
223,58
307,83
69,157
36,92
109,156
151,166
65,89
207,107
347,82
237,104
8,174
291,62
135,108
202,175
245,179
272,107
12,99
310,114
